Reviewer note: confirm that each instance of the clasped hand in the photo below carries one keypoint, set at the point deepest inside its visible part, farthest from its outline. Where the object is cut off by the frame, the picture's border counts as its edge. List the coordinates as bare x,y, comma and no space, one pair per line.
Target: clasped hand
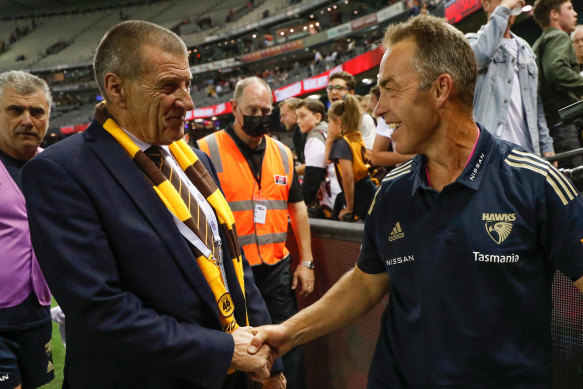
258,364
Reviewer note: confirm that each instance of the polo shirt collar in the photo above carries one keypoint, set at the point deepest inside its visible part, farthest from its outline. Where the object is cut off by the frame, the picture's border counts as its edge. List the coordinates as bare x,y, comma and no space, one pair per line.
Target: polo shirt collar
474,171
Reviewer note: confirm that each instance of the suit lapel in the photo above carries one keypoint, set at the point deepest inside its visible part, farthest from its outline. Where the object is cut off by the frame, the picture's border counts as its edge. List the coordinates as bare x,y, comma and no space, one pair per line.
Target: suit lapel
133,181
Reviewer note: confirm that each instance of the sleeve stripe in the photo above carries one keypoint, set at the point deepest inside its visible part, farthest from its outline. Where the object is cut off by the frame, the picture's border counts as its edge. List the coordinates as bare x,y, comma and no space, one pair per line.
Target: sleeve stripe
558,176
553,169
398,169
390,176
549,179
557,191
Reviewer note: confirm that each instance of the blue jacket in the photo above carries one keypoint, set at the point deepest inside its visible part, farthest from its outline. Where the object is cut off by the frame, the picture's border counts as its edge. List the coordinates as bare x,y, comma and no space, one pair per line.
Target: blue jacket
140,313
495,74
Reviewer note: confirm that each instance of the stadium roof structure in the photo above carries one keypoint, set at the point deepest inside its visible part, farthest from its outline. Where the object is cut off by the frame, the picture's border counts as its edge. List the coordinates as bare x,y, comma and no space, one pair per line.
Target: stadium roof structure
27,8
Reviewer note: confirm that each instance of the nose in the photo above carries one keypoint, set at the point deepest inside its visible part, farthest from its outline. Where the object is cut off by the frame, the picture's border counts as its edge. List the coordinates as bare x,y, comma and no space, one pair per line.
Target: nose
381,108
26,119
184,101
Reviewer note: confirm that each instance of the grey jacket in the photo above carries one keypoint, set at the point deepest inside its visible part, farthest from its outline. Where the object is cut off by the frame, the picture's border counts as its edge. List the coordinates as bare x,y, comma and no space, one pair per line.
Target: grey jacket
494,83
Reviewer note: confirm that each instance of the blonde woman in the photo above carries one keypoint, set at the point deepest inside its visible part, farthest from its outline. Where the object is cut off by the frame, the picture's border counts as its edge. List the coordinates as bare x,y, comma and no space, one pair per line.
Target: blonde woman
346,149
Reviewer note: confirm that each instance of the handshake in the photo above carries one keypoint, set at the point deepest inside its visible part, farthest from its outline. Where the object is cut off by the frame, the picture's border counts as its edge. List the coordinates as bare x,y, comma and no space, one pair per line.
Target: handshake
255,351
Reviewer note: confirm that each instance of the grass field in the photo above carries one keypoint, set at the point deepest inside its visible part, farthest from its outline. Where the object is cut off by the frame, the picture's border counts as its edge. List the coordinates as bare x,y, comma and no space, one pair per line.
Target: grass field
58,358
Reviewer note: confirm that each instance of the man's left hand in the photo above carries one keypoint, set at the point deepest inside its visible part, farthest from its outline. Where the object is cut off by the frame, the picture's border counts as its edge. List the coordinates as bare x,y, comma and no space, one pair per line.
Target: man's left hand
305,277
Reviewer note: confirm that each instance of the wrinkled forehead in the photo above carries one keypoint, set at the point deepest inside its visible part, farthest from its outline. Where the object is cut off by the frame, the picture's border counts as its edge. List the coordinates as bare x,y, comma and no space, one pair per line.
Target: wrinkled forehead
11,96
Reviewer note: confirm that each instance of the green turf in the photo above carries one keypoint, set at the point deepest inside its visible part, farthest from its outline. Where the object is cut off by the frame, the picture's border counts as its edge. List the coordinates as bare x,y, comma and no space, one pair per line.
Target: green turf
58,358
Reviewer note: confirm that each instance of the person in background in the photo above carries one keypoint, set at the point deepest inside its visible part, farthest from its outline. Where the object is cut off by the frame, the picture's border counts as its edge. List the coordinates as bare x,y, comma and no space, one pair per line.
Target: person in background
257,175
341,84
289,119
560,81
25,321
320,185
507,101
345,147
382,153
465,238
577,38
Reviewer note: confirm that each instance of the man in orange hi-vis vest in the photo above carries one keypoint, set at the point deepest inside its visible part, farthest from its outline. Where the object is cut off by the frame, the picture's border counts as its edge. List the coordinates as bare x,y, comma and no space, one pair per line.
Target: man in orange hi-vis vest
260,184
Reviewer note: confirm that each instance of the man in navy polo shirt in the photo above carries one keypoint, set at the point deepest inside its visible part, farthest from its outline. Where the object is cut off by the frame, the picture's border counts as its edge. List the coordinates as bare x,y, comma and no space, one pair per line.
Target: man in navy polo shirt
465,237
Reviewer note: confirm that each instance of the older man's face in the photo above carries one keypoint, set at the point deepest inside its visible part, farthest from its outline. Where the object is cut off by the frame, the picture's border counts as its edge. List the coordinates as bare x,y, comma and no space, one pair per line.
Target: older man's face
158,101
24,120
578,44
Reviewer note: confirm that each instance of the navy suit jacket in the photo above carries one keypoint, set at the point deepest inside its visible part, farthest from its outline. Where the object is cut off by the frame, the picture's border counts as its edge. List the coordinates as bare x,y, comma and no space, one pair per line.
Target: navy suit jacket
139,311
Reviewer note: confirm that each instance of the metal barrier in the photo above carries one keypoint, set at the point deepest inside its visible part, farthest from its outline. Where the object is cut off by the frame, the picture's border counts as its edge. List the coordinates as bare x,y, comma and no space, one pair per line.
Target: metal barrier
341,359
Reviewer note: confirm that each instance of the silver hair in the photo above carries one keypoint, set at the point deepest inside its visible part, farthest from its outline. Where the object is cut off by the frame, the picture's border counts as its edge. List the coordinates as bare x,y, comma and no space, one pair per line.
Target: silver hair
242,84
120,51
25,84
577,28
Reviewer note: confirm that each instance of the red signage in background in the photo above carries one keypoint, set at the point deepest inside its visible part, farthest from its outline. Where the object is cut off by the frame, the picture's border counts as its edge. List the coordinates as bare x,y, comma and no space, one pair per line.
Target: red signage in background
456,10
355,66
207,112
67,130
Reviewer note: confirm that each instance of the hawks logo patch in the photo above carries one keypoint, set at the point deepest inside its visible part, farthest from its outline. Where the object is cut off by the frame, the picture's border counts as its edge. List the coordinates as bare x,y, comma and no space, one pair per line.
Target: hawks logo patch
499,225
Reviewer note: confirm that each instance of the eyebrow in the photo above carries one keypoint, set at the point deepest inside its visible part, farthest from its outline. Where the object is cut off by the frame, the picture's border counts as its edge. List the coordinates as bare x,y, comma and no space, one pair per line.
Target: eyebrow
383,83
24,107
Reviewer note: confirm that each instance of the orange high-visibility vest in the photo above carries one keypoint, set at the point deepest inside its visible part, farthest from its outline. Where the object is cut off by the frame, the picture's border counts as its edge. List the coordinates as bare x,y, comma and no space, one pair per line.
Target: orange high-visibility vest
261,214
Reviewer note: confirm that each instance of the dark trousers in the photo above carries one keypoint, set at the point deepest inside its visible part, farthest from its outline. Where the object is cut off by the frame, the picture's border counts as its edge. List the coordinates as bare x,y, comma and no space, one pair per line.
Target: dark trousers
274,282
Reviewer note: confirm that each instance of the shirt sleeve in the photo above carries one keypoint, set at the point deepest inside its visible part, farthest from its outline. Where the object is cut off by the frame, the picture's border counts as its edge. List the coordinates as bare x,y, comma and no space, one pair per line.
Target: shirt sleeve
340,150
561,231
314,153
367,129
382,128
295,191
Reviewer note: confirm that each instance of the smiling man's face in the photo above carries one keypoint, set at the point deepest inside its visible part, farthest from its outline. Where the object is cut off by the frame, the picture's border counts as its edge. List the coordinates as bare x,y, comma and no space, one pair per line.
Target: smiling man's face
24,120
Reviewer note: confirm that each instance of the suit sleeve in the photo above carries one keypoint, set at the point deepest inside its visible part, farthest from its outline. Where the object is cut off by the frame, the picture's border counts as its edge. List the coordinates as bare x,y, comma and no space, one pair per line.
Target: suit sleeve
78,261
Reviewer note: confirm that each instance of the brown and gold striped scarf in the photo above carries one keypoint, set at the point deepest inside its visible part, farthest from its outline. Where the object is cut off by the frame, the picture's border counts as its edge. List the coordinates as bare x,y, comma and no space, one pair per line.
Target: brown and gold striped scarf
200,177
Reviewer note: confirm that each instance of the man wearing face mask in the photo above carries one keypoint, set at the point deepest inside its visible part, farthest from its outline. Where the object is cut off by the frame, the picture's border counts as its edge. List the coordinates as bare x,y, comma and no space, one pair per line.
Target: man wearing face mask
261,186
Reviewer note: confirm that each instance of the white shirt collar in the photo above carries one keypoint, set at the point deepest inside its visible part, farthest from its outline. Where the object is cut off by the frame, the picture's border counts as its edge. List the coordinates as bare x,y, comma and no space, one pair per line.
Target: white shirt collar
144,145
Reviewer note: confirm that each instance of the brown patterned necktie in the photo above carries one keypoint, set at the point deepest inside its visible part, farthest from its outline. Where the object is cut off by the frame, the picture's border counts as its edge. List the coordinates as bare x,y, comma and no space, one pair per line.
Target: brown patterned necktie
202,230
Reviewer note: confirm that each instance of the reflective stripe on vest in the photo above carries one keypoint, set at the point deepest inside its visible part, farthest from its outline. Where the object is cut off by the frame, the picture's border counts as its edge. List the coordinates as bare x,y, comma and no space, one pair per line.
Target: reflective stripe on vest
262,243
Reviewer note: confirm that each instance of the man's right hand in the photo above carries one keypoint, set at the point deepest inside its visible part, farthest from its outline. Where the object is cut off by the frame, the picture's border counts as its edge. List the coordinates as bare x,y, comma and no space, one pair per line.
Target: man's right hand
276,336
511,4
257,364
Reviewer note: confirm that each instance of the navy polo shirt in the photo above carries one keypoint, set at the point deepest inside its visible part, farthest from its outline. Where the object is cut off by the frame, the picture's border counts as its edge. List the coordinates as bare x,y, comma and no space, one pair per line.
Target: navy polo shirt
471,269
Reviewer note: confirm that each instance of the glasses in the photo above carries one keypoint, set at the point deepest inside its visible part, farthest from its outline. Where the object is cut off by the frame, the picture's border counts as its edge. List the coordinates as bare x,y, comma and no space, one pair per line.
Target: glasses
337,88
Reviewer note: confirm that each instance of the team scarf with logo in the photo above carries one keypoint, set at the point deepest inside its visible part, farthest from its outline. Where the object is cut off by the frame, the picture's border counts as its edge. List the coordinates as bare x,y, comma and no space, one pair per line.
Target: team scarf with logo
199,176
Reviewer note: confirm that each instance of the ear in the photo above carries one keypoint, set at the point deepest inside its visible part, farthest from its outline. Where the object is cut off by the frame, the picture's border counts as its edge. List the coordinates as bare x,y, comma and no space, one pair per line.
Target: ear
351,91
318,117
114,89
442,90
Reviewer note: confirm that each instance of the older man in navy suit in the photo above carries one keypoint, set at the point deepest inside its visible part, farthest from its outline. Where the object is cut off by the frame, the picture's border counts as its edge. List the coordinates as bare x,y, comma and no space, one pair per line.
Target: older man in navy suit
135,238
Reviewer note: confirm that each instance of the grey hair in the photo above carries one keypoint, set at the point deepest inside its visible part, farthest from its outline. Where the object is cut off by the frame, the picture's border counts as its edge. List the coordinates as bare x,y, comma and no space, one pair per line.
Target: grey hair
242,84
119,51
577,28
25,84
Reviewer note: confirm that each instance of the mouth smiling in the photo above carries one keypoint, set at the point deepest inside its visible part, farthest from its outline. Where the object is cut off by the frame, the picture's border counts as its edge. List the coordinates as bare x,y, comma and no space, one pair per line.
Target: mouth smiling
393,126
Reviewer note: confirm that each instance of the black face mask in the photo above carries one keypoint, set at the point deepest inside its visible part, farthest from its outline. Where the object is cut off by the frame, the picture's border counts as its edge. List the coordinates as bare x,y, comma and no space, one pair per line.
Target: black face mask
256,126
